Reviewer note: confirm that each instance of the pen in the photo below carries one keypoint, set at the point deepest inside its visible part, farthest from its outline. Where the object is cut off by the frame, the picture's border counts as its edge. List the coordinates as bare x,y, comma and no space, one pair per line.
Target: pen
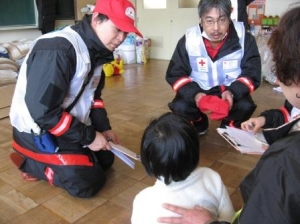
109,139
226,135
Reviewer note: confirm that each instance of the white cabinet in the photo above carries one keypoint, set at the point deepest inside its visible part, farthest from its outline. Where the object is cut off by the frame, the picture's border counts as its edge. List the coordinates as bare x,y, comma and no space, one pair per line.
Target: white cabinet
164,26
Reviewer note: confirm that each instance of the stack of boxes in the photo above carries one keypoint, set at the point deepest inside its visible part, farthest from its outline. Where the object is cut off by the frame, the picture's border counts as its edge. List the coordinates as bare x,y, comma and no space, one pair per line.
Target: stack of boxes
134,49
256,16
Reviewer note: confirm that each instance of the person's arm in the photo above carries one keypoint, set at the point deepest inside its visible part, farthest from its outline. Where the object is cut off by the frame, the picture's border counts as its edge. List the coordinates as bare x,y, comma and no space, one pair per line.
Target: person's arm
250,77
197,215
271,118
178,73
98,115
277,117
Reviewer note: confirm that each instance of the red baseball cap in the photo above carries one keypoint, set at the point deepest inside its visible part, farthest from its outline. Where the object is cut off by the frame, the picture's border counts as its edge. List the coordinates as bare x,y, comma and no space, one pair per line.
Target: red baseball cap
120,12
217,107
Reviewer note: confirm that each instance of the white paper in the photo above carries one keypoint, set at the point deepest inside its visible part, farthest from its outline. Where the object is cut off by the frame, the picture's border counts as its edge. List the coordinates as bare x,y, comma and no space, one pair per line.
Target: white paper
244,141
122,153
244,138
125,151
124,158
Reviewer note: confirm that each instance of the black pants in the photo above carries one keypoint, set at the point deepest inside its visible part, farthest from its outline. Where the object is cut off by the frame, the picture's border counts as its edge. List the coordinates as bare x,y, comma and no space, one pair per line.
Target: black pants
81,174
241,110
79,181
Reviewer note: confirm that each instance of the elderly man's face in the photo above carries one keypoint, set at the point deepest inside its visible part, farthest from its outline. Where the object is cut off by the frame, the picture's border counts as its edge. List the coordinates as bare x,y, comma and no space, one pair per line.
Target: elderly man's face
215,24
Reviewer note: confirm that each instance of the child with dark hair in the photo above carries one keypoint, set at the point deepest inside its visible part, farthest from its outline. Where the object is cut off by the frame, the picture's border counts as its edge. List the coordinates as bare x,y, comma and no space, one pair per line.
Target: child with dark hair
170,152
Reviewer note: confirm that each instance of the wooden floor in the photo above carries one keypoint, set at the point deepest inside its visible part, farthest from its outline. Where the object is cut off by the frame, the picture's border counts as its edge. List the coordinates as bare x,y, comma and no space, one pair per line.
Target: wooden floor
132,99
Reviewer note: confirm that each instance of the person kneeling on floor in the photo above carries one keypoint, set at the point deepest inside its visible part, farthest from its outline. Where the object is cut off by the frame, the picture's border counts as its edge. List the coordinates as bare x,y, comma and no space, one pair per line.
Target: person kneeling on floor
61,130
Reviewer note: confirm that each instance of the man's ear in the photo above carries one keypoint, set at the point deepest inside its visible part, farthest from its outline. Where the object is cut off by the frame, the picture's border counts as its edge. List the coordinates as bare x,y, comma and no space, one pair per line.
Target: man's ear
95,19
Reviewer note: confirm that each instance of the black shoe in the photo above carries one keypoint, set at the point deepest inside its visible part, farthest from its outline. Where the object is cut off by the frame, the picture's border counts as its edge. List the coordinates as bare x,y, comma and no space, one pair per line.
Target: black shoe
202,125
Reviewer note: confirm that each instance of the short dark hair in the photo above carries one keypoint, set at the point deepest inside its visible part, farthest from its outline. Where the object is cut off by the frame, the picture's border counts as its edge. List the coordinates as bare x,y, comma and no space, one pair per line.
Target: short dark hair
170,148
224,7
102,17
284,44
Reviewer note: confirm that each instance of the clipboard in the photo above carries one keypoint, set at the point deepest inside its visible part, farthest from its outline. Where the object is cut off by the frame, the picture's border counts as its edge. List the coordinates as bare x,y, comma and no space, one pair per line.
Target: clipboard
243,141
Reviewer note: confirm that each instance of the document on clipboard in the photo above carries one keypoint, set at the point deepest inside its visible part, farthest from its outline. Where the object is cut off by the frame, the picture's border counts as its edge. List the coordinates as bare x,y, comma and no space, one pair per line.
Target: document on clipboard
243,141
125,154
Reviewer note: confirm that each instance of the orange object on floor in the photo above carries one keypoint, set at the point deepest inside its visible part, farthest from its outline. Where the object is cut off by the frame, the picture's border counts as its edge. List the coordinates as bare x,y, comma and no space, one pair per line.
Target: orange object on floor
17,159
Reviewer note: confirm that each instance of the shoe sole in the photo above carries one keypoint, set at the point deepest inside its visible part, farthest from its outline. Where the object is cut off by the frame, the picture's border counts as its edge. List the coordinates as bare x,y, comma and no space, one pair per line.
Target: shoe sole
202,133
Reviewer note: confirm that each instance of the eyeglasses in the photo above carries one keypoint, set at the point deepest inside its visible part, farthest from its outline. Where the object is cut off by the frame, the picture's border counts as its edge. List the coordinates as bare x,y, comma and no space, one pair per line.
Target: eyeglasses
221,21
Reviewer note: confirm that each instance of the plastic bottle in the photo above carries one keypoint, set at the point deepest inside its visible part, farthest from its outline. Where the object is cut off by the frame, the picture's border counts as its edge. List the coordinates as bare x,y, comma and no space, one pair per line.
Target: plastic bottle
270,24
139,50
264,25
252,28
275,20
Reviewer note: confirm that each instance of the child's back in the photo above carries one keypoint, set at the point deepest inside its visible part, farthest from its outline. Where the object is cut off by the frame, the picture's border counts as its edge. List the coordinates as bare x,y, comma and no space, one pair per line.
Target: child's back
203,187
170,152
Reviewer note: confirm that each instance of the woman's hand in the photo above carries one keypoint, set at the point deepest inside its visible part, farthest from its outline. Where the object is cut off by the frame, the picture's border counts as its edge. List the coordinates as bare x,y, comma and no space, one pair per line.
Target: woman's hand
253,124
197,215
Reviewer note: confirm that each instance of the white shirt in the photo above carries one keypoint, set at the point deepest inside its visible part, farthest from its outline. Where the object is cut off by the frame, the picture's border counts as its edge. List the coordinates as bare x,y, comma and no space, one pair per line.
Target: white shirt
203,187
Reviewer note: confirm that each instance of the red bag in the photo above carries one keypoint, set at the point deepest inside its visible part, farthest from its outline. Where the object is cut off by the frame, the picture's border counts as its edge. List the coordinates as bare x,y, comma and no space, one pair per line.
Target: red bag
219,108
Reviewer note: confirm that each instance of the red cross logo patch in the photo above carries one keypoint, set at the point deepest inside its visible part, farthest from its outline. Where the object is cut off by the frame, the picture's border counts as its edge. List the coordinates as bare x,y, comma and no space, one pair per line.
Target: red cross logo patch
202,64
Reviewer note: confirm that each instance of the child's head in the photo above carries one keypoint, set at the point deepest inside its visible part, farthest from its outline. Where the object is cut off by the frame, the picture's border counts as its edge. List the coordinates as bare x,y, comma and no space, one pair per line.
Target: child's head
170,148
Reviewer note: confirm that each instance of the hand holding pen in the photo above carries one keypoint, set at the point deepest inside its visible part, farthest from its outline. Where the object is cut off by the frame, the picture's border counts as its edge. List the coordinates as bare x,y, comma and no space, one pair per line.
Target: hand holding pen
102,139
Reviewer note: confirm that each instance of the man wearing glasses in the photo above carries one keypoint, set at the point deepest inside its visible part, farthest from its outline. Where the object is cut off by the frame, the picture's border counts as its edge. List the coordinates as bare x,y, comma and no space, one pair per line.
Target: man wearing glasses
214,69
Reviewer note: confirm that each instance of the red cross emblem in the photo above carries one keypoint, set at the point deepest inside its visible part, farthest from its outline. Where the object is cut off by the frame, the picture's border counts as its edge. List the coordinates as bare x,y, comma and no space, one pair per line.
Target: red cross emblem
202,62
